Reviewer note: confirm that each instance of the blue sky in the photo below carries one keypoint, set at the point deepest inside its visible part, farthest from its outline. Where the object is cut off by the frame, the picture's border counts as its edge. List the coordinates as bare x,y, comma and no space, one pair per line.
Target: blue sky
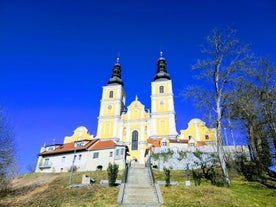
55,56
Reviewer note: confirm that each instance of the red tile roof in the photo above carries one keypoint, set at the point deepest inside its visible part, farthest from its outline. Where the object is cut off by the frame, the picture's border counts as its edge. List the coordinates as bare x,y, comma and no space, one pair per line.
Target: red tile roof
69,147
103,144
155,142
200,143
178,141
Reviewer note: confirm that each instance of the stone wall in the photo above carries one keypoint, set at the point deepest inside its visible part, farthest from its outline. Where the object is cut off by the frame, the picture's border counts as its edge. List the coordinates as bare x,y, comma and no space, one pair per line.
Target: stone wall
177,158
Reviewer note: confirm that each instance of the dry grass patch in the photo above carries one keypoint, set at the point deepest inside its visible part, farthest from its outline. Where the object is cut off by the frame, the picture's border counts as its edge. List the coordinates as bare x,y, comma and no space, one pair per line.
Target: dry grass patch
52,190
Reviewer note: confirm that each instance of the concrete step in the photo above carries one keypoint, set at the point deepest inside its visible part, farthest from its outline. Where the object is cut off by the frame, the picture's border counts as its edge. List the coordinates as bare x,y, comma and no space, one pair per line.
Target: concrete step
139,189
139,176
138,166
141,200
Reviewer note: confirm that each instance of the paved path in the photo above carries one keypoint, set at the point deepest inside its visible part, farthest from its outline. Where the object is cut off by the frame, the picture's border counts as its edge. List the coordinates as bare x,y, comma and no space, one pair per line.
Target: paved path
139,189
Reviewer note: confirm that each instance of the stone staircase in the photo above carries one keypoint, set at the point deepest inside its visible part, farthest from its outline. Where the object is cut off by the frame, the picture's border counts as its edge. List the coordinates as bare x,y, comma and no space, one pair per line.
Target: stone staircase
139,189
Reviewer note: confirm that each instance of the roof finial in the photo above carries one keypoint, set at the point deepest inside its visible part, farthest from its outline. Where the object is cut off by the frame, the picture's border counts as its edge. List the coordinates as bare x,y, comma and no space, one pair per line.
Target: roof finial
118,58
136,98
161,53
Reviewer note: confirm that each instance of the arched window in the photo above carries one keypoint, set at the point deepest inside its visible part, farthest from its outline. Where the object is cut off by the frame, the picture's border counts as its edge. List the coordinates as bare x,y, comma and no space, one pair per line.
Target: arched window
110,94
161,89
134,145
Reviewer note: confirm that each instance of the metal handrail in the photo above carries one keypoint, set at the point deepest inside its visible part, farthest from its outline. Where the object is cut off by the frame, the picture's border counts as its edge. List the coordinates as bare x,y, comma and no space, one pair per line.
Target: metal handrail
150,170
125,174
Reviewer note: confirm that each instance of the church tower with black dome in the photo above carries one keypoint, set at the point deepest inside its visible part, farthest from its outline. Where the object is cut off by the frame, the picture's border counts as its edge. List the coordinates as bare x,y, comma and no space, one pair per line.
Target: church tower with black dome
112,106
162,103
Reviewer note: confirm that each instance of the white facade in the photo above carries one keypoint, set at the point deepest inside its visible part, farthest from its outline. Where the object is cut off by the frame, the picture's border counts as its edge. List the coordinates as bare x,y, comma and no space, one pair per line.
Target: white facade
52,161
104,157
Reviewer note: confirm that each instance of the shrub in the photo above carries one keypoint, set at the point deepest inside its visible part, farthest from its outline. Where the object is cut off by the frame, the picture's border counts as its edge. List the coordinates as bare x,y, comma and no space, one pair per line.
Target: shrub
155,156
167,176
250,171
197,177
112,172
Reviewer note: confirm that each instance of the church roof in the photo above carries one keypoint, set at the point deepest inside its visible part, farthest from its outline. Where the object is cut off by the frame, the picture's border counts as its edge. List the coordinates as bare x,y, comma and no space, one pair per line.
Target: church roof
161,73
116,74
69,147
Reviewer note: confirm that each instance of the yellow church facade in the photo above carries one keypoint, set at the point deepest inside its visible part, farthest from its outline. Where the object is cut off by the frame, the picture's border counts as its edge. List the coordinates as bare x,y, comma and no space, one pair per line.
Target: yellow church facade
133,126
198,134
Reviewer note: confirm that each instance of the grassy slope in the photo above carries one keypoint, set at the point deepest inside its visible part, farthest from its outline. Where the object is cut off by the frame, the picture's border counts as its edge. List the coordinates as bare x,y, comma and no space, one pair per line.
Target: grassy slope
240,194
56,191
52,190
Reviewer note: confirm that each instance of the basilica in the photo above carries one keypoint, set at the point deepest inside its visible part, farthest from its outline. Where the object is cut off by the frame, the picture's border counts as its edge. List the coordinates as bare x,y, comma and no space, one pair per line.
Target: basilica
121,126
135,126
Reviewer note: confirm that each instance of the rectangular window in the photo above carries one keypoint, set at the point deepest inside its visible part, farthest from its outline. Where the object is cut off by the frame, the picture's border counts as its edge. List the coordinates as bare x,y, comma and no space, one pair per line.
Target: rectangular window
110,154
50,149
78,144
122,151
110,94
79,157
96,155
134,144
190,137
161,89
46,162
206,136
117,152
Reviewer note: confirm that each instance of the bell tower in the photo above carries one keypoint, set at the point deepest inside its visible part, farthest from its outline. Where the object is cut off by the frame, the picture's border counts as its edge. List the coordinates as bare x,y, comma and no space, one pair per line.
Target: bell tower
112,106
162,103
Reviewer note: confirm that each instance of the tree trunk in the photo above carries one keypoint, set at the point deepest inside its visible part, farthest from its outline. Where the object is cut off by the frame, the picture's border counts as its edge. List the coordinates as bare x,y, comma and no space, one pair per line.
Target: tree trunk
220,151
252,141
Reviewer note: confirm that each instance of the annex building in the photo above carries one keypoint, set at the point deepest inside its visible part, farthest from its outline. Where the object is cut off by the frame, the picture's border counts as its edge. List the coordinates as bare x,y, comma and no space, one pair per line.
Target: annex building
132,126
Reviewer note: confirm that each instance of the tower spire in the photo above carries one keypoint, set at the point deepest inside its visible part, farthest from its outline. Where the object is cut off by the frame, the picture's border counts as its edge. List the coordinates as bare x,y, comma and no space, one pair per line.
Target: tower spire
116,74
162,69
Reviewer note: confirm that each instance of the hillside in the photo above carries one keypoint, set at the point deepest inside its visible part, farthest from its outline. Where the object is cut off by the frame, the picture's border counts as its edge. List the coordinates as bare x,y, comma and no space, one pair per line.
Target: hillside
41,190
51,190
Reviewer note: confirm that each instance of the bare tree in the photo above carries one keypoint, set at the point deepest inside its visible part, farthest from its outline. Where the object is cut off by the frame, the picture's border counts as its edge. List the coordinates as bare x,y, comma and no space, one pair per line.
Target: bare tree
224,58
31,168
7,153
255,107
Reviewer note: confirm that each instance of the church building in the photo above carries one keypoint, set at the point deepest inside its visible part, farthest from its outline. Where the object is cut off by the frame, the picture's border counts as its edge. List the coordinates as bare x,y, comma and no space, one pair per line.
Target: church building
120,127
134,127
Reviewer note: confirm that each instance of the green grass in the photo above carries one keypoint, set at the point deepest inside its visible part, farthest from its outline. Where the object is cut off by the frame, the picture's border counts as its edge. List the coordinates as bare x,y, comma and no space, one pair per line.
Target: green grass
241,193
57,194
